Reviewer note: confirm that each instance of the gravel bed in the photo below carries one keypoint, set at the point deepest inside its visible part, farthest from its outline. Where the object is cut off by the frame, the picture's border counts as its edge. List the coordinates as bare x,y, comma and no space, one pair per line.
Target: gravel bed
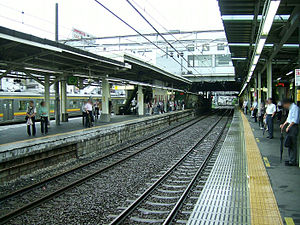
47,172
95,200
189,203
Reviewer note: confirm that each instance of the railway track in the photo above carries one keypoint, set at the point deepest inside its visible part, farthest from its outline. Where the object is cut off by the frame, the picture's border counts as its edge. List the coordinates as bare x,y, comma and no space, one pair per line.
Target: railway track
162,201
26,198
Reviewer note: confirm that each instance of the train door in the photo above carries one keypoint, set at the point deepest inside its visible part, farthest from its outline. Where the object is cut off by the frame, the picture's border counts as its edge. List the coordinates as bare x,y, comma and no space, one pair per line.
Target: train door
8,109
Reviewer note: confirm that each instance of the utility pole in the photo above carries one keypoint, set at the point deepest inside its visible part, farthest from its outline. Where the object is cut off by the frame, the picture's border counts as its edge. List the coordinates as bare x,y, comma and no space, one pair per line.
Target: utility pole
56,87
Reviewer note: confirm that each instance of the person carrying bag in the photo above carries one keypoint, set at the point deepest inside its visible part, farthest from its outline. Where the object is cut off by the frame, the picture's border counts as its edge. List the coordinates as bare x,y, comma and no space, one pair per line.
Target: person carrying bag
30,118
43,111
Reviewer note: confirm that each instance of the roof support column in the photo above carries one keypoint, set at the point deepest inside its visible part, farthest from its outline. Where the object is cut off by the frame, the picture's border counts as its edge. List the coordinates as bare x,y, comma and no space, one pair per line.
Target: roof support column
259,91
47,95
63,97
140,101
105,114
269,79
57,103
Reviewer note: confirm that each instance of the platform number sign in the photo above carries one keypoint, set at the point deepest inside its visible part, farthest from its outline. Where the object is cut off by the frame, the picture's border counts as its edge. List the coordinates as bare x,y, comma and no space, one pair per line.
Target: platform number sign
297,77
72,80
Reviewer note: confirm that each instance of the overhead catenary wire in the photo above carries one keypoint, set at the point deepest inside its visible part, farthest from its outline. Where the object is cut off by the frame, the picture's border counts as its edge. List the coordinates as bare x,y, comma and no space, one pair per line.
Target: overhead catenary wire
131,27
166,29
179,54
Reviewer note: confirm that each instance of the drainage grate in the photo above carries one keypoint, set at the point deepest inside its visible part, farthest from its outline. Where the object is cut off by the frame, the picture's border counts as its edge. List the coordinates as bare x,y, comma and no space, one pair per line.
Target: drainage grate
225,196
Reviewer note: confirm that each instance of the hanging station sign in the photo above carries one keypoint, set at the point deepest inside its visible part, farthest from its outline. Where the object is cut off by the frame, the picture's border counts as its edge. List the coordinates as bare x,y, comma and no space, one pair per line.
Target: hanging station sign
297,77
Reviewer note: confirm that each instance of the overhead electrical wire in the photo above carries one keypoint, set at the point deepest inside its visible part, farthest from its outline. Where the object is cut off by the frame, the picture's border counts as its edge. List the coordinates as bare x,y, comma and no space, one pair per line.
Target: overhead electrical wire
167,29
179,54
131,27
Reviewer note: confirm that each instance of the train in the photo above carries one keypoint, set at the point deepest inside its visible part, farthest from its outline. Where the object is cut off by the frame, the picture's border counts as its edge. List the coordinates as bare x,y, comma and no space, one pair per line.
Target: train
13,105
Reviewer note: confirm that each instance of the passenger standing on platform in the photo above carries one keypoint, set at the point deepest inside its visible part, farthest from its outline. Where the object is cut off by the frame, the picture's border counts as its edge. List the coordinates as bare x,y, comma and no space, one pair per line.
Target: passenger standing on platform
30,118
291,130
89,113
269,115
245,106
96,107
83,113
261,115
255,109
43,111
279,111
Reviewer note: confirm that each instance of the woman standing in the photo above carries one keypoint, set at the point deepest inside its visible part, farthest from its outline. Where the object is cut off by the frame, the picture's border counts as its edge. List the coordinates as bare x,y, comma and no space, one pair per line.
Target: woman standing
43,111
30,118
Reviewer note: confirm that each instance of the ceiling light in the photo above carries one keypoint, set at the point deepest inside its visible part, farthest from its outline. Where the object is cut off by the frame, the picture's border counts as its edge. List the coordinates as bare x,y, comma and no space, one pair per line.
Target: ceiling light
252,67
270,16
289,73
260,46
255,60
41,70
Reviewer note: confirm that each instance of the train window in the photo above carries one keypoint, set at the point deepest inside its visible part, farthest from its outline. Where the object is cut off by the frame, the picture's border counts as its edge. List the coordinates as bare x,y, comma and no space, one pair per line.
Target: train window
22,105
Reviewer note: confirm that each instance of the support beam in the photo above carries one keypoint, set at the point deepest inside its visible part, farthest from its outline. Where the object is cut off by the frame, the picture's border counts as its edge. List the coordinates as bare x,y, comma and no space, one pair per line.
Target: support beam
5,73
140,101
285,34
269,79
34,78
47,95
105,114
63,100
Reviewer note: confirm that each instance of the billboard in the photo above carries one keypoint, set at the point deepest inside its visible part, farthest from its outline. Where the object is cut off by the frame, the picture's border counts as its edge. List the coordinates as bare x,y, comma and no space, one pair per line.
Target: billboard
83,36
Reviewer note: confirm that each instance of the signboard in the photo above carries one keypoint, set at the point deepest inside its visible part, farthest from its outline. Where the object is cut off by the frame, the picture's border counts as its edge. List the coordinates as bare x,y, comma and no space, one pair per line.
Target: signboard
297,77
72,80
83,36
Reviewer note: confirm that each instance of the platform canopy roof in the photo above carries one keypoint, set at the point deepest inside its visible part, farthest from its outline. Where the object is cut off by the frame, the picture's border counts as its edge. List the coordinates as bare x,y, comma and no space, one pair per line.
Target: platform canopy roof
242,20
26,55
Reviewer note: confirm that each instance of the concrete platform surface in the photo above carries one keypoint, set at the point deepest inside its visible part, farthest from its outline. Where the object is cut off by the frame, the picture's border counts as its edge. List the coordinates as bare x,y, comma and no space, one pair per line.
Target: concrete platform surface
285,180
248,184
18,132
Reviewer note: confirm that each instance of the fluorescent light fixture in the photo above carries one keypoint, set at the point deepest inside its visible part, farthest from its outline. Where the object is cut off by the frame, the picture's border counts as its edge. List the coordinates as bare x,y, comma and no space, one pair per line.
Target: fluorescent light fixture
239,44
238,58
260,46
252,68
279,78
289,73
41,70
255,60
270,16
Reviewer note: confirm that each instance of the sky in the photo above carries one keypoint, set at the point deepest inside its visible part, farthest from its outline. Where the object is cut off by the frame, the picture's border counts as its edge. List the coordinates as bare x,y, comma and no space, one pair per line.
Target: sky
37,16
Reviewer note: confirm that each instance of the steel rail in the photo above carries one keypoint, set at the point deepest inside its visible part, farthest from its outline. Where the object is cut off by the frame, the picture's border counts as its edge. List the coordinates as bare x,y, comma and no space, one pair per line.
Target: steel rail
125,213
182,198
51,195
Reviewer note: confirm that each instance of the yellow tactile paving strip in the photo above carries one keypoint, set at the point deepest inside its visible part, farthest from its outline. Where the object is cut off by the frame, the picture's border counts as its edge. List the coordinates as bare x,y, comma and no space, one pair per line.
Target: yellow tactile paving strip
264,209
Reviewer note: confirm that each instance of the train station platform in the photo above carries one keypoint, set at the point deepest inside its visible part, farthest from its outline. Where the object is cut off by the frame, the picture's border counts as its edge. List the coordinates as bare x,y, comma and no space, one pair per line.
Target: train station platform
248,184
21,155
17,132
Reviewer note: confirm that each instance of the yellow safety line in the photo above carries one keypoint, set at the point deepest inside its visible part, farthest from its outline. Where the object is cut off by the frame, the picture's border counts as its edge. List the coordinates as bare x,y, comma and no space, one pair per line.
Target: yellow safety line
289,221
267,163
264,209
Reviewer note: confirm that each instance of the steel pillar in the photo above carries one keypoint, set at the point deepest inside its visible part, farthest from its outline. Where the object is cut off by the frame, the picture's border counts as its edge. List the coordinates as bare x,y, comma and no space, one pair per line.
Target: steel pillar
269,79
63,98
259,90
57,104
105,114
47,95
140,96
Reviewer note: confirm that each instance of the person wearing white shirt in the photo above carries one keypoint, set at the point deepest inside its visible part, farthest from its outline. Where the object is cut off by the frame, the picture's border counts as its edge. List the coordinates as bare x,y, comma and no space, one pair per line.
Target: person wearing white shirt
255,109
270,113
291,130
89,113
